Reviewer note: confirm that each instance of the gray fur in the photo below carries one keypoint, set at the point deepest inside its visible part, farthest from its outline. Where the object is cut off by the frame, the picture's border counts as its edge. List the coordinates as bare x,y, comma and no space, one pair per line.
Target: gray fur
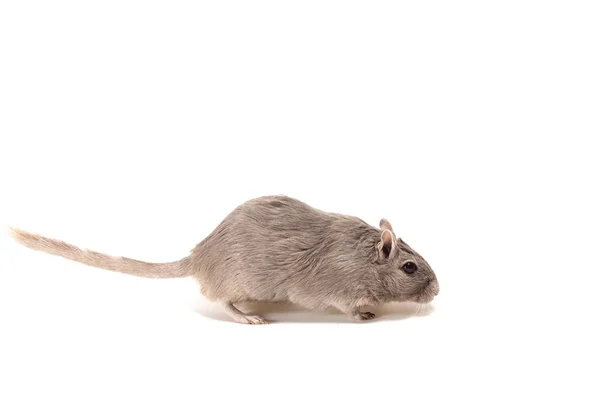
278,249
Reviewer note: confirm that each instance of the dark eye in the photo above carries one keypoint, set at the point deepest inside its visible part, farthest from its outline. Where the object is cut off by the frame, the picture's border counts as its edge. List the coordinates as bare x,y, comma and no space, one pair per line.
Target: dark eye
409,267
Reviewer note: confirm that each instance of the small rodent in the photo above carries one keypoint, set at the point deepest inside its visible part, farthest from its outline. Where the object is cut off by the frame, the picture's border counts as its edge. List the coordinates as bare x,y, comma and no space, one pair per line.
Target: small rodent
278,249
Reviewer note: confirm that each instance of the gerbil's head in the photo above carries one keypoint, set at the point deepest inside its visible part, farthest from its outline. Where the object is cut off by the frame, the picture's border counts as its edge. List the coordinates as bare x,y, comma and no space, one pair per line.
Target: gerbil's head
404,273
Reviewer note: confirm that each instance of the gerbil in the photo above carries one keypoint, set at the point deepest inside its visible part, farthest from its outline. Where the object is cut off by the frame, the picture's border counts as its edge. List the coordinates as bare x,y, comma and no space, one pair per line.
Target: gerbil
278,249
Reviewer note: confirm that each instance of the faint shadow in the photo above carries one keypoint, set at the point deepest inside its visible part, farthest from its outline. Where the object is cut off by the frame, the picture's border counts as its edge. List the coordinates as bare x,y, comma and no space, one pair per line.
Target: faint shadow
284,312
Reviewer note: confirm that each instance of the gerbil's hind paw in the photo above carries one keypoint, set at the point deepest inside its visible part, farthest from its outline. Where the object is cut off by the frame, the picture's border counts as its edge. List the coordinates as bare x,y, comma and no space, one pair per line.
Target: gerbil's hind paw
364,316
253,320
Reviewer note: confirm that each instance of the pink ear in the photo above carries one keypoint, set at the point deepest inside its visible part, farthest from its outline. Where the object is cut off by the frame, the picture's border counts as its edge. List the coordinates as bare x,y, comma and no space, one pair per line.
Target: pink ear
387,245
385,224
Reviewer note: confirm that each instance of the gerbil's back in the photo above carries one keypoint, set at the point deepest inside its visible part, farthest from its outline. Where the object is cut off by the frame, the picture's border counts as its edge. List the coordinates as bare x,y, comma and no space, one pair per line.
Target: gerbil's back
270,245
256,229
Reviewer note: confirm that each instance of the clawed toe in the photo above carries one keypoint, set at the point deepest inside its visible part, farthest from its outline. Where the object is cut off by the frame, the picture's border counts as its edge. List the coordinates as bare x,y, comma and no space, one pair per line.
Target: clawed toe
364,316
253,320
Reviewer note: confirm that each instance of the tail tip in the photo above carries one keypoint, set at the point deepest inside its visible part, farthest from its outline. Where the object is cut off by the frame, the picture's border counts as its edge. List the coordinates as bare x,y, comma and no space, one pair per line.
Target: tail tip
18,235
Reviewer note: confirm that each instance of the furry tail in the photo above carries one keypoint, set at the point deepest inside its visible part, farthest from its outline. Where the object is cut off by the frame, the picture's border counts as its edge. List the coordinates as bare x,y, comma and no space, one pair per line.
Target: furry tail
125,265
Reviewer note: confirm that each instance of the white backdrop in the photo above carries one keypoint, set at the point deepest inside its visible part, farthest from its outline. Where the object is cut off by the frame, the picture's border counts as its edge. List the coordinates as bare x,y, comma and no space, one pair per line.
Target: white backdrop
134,127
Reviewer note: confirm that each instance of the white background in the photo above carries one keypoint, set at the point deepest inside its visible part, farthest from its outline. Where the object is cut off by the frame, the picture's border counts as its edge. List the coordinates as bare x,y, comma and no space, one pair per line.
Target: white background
134,127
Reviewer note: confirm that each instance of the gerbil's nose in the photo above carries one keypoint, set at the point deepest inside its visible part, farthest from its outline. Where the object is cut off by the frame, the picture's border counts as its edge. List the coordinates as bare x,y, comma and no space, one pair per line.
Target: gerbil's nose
436,287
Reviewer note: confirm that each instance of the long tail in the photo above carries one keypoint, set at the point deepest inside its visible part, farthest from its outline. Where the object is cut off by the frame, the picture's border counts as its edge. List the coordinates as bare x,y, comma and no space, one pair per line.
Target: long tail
125,265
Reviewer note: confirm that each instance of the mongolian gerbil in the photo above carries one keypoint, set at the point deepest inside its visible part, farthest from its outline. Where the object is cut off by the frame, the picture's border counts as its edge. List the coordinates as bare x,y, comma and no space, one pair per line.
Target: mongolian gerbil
278,249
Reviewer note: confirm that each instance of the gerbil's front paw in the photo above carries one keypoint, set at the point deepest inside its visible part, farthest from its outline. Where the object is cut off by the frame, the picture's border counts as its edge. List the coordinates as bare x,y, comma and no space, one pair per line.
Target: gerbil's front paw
363,316
253,320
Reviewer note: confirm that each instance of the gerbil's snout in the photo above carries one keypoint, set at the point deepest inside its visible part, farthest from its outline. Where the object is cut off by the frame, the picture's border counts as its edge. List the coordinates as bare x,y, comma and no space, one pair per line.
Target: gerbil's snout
435,287
431,289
